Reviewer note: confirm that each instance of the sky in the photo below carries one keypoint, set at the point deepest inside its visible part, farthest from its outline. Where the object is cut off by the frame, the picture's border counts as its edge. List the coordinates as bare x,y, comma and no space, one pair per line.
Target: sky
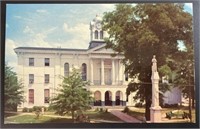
51,25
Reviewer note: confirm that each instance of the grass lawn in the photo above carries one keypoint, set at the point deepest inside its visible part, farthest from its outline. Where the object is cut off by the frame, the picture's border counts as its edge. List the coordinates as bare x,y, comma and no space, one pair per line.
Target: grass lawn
102,116
139,113
165,110
31,118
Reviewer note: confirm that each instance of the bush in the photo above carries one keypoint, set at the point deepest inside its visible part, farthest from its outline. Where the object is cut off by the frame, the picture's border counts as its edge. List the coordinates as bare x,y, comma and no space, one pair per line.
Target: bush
96,109
25,109
101,110
106,110
30,110
171,105
139,104
36,108
126,110
37,113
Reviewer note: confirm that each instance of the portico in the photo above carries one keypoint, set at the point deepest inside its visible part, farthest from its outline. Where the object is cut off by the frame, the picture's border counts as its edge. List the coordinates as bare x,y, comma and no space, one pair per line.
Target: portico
110,71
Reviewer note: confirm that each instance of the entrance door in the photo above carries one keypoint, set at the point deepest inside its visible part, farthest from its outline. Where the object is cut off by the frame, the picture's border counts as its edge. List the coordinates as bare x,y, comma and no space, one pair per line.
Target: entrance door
108,100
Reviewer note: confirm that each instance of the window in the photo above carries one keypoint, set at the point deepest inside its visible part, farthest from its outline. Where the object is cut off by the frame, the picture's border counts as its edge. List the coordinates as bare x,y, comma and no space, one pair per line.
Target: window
101,35
46,95
46,62
31,96
31,78
66,69
96,34
84,72
46,78
31,61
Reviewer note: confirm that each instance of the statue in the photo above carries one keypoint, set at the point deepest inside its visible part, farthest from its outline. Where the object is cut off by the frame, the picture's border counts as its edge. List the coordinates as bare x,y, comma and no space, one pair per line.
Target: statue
155,100
154,65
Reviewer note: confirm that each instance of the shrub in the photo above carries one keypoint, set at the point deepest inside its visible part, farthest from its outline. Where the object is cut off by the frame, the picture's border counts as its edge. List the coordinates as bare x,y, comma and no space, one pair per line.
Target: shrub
139,104
106,110
171,105
96,109
37,113
126,110
101,110
35,108
25,109
30,110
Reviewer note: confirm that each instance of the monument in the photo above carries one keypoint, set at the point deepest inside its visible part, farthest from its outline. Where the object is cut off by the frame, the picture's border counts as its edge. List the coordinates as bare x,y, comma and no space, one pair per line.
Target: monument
155,108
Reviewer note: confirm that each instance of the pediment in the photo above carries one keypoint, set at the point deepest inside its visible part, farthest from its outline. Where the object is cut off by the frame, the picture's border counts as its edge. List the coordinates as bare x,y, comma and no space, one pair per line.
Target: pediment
104,50
101,49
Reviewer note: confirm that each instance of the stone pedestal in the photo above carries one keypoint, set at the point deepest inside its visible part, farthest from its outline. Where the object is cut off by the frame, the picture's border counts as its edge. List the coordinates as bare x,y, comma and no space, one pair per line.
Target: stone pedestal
155,114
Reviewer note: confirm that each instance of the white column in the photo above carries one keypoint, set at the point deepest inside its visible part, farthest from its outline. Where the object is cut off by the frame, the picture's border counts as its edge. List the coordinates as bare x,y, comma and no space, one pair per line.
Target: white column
117,72
123,74
102,72
120,71
113,72
91,68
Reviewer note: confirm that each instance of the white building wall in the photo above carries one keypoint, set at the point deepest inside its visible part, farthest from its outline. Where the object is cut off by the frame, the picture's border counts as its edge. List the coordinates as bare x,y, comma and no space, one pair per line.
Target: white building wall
173,96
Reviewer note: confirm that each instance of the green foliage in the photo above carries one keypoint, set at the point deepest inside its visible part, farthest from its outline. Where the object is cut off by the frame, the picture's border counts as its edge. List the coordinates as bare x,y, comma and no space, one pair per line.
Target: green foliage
96,109
13,93
126,110
72,95
141,31
106,110
37,113
25,109
35,108
101,110
30,110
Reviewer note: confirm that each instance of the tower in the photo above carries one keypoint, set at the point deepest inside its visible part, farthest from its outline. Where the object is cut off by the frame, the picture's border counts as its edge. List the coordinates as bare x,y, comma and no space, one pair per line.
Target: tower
96,33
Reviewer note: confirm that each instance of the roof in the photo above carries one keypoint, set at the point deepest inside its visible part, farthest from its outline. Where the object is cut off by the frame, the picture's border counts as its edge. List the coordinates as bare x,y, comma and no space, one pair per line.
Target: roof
52,49
95,44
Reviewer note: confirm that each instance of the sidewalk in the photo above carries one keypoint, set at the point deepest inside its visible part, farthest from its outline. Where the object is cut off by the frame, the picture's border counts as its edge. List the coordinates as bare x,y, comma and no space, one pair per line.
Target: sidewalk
124,117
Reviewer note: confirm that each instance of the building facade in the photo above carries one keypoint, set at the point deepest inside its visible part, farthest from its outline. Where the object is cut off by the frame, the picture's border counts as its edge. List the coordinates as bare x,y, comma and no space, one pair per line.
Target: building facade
39,70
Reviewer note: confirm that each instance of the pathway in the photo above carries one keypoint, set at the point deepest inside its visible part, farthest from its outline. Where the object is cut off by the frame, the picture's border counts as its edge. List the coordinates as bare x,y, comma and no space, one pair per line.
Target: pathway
126,118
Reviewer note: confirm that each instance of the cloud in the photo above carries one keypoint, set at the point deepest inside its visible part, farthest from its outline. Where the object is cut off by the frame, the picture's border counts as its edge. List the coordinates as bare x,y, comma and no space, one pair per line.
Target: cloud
41,11
189,5
10,55
18,17
39,39
79,30
28,30
108,6
79,35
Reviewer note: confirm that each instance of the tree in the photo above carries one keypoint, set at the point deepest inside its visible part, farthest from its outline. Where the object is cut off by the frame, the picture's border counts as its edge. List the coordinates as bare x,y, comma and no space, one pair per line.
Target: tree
72,95
13,93
144,30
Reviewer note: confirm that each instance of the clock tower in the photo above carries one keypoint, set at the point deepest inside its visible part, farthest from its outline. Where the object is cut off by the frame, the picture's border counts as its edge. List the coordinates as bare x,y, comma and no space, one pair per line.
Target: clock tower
96,32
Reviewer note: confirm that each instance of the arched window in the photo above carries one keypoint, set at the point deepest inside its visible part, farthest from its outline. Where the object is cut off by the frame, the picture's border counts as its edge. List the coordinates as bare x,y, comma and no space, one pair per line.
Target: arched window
96,34
97,97
66,69
101,34
84,72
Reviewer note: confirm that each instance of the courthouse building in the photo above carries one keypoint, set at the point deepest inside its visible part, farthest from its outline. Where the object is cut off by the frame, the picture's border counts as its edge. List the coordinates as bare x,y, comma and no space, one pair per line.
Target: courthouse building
39,70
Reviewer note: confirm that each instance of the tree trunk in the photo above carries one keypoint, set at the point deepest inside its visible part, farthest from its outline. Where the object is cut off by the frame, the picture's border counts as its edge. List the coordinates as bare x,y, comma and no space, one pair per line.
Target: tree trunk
148,96
193,98
73,117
